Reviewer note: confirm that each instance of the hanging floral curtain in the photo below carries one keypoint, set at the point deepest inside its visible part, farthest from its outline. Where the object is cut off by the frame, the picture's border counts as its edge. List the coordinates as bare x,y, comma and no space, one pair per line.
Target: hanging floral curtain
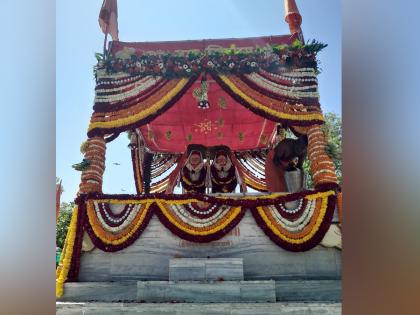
276,81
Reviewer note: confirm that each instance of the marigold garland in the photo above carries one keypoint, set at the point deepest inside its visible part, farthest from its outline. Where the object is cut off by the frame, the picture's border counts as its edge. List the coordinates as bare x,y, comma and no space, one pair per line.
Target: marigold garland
262,110
322,167
310,235
67,255
142,115
340,206
138,180
110,242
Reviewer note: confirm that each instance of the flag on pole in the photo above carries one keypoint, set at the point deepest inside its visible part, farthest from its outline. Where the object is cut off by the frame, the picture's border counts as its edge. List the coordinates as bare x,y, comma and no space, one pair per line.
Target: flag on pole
108,18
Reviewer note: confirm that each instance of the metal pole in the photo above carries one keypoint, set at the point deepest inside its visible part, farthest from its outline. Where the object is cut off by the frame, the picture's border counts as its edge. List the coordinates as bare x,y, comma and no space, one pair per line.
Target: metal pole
105,39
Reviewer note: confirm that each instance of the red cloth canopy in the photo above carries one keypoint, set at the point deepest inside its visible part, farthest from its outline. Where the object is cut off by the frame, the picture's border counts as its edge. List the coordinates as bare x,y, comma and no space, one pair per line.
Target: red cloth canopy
225,122
202,44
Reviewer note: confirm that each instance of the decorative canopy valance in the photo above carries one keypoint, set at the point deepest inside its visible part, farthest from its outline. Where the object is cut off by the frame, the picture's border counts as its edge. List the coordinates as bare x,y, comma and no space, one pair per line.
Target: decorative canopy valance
213,92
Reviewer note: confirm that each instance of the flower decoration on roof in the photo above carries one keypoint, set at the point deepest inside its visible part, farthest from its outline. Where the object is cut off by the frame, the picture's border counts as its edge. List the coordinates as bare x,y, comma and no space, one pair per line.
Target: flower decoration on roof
232,60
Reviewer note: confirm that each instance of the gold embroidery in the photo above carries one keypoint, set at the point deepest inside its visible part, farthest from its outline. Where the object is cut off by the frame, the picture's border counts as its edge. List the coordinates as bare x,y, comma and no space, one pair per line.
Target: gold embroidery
264,139
204,127
220,122
168,135
222,103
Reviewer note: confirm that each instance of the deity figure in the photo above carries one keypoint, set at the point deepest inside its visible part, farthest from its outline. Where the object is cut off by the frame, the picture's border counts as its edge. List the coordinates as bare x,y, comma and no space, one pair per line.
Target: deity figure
193,174
223,174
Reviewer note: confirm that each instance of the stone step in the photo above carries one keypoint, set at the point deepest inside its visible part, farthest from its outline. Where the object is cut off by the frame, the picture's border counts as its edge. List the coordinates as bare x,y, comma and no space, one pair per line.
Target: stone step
306,291
206,269
193,291
206,292
63,308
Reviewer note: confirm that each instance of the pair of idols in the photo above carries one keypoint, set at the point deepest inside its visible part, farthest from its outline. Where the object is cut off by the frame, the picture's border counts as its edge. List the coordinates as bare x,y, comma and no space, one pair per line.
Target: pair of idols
221,176
283,169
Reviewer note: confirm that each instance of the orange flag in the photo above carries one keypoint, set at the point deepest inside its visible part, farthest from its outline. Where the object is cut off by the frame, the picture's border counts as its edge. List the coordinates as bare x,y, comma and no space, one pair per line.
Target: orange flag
108,18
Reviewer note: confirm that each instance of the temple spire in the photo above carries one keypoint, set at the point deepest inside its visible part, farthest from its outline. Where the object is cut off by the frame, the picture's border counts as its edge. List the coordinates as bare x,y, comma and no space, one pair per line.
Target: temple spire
293,17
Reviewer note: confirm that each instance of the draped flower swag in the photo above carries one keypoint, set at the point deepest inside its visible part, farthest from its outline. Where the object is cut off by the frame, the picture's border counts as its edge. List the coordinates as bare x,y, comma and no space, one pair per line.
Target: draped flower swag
194,217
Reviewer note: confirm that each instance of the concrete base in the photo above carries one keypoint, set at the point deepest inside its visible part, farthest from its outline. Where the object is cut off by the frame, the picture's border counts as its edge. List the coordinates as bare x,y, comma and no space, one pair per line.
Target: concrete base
198,309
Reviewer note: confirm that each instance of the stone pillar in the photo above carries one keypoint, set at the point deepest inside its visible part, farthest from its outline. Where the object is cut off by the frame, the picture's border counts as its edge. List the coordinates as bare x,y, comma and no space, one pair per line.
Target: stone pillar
322,166
92,176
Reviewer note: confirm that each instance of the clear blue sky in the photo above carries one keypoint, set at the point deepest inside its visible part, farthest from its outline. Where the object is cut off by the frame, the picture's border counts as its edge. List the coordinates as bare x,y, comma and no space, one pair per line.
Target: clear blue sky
78,37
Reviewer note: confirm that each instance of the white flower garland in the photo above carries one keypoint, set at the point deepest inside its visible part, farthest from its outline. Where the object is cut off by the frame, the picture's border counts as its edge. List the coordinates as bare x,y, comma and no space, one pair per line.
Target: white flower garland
259,78
111,216
291,79
123,96
123,87
131,216
292,211
122,82
324,171
202,212
295,92
197,222
102,75
299,224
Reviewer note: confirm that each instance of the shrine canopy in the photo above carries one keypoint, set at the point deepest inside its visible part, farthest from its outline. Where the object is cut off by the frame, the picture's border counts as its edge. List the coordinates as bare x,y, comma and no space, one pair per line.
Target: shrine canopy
212,92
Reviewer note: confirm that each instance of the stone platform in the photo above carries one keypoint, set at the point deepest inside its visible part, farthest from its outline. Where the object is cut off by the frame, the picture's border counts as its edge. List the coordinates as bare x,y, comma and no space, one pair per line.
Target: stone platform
198,309
242,273
148,259
204,291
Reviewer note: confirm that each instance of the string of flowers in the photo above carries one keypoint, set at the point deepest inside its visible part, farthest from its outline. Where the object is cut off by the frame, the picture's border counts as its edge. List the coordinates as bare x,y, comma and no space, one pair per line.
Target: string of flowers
209,221
138,180
67,254
190,227
104,124
275,110
322,167
302,237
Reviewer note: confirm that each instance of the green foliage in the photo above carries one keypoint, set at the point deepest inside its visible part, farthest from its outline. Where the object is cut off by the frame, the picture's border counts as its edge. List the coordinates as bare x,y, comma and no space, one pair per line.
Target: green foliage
82,165
297,44
333,131
99,56
63,222
306,168
314,46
